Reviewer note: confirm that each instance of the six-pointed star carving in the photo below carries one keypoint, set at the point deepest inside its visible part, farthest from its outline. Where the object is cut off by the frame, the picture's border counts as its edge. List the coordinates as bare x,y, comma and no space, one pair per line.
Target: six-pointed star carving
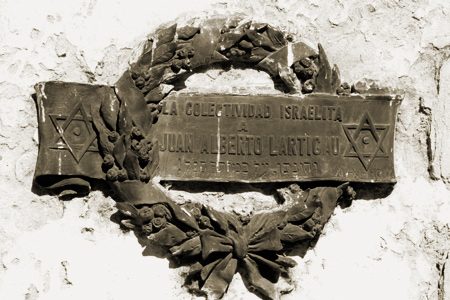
84,134
366,124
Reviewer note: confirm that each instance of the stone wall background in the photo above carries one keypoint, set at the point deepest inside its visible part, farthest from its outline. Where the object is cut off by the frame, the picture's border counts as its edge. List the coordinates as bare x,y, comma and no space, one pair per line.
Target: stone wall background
391,248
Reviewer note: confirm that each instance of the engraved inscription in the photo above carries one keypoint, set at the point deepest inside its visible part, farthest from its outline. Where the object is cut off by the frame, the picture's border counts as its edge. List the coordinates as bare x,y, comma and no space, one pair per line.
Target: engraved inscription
268,138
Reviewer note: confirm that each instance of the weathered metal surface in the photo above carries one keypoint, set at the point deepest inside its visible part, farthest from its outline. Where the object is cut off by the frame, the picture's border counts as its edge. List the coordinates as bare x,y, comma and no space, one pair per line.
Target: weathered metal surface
124,133
268,138
68,144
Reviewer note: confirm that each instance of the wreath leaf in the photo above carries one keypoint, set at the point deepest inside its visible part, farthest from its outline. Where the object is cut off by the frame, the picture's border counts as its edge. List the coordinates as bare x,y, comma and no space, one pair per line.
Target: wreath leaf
276,37
187,32
260,40
292,233
189,248
128,224
155,77
169,236
128,209
227,40
166,35
120,151
131,164
163,53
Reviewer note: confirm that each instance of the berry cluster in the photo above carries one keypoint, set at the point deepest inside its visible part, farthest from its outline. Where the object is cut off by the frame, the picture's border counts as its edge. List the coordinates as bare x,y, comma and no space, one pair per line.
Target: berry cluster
141,151
306,71
150,219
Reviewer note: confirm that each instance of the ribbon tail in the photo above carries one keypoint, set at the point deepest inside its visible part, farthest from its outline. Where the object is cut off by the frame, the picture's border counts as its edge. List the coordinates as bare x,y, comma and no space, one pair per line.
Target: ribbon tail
206,271
255,283
218,281
274,267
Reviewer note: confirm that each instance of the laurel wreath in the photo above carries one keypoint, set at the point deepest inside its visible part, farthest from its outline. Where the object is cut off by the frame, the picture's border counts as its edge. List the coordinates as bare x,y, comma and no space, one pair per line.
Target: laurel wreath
222,244
218,243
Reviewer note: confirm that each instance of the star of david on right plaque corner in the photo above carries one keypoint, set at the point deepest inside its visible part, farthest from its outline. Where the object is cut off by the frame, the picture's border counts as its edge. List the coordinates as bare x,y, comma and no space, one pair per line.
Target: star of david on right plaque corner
366,140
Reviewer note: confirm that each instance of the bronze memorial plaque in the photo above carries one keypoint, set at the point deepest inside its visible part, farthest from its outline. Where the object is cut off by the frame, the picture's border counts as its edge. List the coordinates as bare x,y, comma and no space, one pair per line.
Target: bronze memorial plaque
136,133
276,138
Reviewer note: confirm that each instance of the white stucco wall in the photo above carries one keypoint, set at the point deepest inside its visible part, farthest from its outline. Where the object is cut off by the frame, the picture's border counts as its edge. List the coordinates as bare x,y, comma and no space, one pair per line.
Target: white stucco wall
391,248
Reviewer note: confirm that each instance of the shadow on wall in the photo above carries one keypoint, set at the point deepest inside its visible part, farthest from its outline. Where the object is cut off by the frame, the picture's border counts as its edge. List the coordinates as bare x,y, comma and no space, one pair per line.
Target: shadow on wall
216,245
118,124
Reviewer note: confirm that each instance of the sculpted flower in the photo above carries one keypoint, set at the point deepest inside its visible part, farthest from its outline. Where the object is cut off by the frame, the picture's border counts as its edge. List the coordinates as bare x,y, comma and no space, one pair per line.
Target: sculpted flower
108,161
196,213
144,176
144,152
136,133
112,174
176,65
113,136
147,228
146,214
135,145
205,222
224,245
254,248
162,211
309,86
159,223
122,175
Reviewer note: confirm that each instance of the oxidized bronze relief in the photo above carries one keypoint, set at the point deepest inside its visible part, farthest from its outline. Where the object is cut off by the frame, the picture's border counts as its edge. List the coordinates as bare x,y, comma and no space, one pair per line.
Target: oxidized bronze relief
276,138
134,134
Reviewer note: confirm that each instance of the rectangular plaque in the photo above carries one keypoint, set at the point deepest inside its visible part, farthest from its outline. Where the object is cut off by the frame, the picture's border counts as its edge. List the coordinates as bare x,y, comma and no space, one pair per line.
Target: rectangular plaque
276,138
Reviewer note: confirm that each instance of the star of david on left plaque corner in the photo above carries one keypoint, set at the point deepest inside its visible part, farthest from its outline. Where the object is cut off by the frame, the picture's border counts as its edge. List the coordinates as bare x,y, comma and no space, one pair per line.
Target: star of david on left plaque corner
366,140
75,132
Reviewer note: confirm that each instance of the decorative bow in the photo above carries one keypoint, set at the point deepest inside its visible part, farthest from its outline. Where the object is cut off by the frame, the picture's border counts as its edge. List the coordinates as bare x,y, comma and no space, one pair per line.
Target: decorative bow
222,245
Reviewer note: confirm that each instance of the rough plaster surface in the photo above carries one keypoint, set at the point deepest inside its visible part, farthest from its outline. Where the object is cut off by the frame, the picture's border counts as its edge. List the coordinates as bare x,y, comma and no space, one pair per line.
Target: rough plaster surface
391,248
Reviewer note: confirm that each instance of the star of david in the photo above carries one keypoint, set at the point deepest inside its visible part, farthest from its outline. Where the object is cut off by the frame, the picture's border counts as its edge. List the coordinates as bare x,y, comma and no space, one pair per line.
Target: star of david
375,133
76,133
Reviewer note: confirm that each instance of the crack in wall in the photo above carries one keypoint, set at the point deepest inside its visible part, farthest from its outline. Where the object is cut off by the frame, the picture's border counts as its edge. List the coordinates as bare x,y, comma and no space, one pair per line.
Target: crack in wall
426,120
437,76
441,282
430,116
65,278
